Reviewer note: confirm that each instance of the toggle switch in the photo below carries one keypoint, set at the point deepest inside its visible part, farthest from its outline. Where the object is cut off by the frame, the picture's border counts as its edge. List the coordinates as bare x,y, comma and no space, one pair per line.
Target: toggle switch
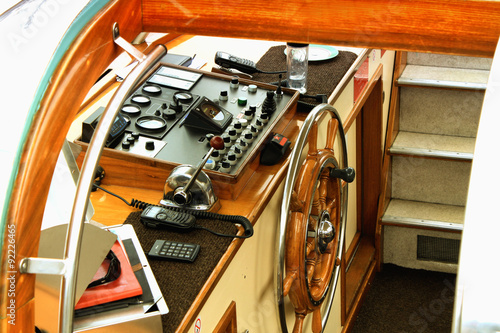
215,156
225,167
231,158
238,152
238,127
235,83
223,96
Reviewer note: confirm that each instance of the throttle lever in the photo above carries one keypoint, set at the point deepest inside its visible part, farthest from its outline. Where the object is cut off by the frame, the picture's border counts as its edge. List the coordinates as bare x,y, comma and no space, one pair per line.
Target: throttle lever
182,194
346,174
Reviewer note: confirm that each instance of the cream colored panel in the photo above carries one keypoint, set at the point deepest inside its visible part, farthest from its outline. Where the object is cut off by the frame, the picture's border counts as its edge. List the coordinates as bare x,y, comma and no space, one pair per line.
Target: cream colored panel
345,102
249,281
388,62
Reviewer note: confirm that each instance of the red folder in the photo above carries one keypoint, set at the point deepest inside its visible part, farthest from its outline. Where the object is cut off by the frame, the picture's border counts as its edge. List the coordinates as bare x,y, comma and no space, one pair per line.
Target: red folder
125,286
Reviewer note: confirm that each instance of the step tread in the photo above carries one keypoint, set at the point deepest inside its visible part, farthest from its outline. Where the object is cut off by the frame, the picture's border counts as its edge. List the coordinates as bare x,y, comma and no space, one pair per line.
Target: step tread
433,145
424,214
446,77
446,60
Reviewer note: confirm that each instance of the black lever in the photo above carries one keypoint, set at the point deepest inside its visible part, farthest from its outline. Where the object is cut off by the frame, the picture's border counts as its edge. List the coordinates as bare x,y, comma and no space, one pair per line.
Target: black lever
347,174
182,195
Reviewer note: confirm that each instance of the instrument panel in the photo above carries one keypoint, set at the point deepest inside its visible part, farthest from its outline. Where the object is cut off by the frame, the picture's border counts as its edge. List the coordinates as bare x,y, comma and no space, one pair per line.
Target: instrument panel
174,113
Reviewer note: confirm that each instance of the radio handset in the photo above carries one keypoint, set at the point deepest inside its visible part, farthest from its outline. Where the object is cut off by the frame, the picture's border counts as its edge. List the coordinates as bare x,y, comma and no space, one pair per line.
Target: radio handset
115,133
227,60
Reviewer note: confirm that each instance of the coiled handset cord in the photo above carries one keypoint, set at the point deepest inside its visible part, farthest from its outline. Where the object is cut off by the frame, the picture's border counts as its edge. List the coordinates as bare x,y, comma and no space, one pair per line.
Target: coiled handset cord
237,219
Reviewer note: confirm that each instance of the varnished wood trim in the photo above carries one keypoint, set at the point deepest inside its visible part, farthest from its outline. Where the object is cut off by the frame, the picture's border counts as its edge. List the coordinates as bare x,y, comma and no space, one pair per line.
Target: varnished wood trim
228,323
358,272
358,300
447,26
391,133
351,251
372,154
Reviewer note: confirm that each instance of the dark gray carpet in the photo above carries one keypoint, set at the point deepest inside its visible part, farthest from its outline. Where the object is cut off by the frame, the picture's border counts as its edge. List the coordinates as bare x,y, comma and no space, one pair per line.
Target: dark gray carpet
406,301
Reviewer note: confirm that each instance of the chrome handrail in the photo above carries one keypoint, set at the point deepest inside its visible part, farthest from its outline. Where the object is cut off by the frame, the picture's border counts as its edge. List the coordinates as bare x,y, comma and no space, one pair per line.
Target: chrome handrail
67,267
73,240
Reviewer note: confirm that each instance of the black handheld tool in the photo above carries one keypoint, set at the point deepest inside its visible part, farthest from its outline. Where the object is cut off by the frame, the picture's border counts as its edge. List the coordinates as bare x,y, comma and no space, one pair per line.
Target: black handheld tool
158,217
227,60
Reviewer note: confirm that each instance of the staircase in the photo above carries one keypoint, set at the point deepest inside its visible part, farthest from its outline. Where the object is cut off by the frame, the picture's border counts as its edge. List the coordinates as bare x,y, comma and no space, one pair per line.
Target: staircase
435,107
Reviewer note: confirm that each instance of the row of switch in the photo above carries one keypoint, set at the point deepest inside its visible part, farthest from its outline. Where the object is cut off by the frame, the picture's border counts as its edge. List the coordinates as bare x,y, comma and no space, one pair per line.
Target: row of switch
237,139
130,140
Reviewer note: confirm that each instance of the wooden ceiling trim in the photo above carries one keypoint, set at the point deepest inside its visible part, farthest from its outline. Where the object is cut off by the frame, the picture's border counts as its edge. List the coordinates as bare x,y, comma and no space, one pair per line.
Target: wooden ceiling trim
444,26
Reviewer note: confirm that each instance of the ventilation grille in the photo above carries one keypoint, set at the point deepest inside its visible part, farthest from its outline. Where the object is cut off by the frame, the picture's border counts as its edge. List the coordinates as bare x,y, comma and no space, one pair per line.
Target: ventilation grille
438,249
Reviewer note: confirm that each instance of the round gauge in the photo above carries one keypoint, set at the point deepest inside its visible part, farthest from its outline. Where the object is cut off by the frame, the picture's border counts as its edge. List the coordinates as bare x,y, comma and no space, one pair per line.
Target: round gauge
183,97
151,89
141,99
151,123
131,109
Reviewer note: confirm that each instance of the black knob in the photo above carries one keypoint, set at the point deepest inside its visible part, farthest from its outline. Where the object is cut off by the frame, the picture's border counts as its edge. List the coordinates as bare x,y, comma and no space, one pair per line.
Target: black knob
169,114
347,174
126,145
150,145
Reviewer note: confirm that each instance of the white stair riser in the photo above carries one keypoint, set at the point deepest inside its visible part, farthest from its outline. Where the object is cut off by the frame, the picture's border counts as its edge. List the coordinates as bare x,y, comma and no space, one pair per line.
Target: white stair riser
400,248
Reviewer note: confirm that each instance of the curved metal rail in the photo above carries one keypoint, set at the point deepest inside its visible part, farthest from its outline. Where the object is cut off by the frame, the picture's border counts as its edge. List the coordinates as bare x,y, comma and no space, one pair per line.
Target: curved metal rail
295,164
68,266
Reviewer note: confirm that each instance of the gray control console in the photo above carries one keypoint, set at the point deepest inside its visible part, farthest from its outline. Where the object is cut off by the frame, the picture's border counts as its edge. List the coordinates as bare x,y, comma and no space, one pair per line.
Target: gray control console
174,113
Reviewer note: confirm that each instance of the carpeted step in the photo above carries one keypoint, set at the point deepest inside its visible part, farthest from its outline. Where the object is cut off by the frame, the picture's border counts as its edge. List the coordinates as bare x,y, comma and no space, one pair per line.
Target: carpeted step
424,214
444,77
433,145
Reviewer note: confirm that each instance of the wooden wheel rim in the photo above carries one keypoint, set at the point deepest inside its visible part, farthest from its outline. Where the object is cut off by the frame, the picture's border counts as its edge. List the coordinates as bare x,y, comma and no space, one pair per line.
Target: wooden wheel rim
292,175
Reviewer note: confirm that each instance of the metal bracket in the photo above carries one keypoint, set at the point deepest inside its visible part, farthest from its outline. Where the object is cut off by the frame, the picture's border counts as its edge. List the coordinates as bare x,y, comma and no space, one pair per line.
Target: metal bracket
125,45
42,266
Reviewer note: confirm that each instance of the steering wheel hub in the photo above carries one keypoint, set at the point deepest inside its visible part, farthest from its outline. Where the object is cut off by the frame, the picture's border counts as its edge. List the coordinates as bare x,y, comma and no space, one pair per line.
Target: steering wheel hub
325,233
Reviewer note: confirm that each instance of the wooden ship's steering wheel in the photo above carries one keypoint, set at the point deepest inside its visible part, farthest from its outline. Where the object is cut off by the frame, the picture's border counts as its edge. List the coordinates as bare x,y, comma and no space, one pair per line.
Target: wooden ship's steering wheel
312,224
